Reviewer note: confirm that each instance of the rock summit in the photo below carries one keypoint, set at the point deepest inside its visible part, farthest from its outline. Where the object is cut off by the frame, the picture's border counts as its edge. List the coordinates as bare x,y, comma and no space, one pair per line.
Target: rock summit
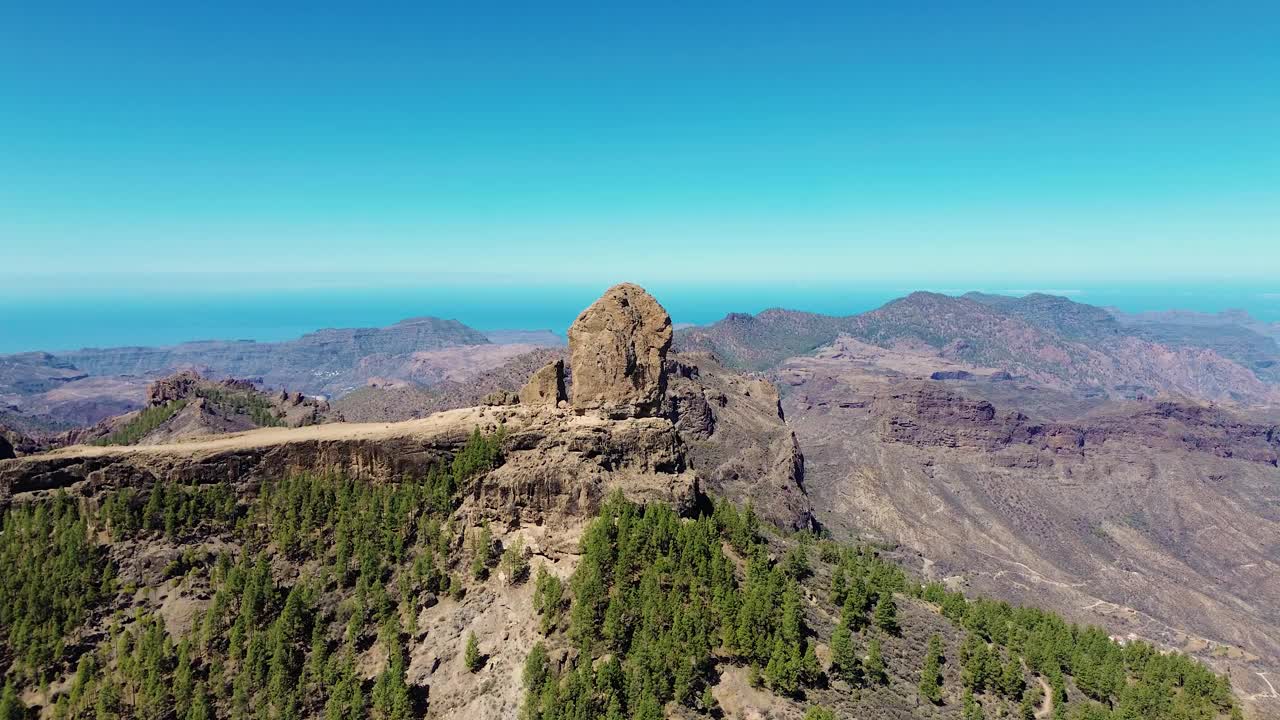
617,353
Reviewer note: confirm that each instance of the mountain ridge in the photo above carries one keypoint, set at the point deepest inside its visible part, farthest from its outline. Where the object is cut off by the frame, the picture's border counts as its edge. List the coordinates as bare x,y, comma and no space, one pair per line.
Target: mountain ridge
1054,340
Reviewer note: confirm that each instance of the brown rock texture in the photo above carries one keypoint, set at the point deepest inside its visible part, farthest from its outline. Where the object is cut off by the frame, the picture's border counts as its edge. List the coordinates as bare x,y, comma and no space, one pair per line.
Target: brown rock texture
557,465
1155,518
546,386
500,397
175,387
617,350
739,442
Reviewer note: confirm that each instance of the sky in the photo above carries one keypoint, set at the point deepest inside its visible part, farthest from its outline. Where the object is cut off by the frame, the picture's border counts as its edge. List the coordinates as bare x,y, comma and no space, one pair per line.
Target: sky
907,143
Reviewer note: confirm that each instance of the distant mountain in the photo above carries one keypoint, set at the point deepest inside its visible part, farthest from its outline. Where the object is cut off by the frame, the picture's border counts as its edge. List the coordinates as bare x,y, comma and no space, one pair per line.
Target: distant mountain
1051,340
324,361
541,338
758,342
394,401
1233,334
47,392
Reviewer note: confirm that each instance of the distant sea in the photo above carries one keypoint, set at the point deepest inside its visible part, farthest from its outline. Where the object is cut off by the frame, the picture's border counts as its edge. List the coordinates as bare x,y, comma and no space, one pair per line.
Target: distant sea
72,319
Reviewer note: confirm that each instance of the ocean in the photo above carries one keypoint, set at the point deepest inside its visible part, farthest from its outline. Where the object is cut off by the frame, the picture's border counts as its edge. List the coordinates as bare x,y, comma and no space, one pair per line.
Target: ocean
72,319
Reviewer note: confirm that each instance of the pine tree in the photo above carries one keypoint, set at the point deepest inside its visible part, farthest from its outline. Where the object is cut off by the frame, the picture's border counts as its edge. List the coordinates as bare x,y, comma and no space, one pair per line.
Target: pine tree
708,702
11,708
875,663
200,709
482,549
183,680
972,710
839,586
514,562
931,674
810,668
844,660
1011,681
535,668
1030,699
471,656
886,613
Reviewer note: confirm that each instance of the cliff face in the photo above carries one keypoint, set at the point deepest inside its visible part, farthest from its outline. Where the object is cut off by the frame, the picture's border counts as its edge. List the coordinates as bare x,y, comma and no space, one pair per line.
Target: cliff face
928,415
738,439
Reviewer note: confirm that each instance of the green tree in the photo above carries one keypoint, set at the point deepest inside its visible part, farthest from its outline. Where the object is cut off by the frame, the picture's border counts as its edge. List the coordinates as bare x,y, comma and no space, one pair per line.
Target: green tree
931,674
839,586
1030,699
844,658
514,562
200,708
482,551
875,663
548,599
886,613
11,708
1012,683
471,656
819,713
972,710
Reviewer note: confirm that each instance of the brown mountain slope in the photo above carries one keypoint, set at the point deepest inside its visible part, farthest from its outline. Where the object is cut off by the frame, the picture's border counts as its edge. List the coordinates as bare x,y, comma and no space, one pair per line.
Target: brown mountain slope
1158,519
1051,341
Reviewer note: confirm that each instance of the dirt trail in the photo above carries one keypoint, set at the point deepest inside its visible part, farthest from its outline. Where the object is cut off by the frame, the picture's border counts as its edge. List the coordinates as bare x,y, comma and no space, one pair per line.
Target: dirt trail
1046,710
447,421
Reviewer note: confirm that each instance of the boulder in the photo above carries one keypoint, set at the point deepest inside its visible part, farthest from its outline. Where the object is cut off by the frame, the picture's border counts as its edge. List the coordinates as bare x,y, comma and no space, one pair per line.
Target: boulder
500,397
617,354
546,386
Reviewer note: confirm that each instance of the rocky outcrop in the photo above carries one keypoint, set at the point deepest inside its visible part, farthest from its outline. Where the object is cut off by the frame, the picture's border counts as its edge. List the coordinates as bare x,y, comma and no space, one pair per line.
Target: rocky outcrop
179,386
6,449
738,440
500,397
546,386
211,407
927,415
617,350
558,466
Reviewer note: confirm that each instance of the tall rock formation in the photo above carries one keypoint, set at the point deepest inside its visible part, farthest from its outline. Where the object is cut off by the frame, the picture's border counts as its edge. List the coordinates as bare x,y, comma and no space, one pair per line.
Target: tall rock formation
546,386
617,353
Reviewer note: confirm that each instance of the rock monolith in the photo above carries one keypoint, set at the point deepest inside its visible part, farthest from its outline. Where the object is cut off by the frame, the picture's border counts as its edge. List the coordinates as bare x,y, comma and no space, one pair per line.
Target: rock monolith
617,353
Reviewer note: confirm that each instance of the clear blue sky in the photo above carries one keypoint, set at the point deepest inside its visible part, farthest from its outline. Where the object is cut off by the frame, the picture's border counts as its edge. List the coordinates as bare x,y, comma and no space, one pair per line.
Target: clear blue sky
917,143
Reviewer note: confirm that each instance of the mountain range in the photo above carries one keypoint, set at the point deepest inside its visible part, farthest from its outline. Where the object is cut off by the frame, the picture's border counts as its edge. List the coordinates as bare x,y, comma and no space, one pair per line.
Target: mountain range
42,391
1116,470
1051,341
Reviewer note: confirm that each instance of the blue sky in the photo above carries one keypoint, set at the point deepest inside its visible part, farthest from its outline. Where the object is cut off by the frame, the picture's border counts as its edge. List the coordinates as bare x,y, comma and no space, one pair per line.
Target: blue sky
910,143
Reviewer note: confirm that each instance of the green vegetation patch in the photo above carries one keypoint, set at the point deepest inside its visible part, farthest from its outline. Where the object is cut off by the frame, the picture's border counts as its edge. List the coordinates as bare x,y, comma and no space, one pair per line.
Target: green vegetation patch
264,648
258,407
148,419
659,605
51,575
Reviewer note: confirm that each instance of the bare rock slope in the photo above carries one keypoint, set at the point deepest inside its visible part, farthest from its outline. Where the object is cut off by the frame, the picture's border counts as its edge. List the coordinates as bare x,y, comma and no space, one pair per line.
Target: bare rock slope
1155,518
